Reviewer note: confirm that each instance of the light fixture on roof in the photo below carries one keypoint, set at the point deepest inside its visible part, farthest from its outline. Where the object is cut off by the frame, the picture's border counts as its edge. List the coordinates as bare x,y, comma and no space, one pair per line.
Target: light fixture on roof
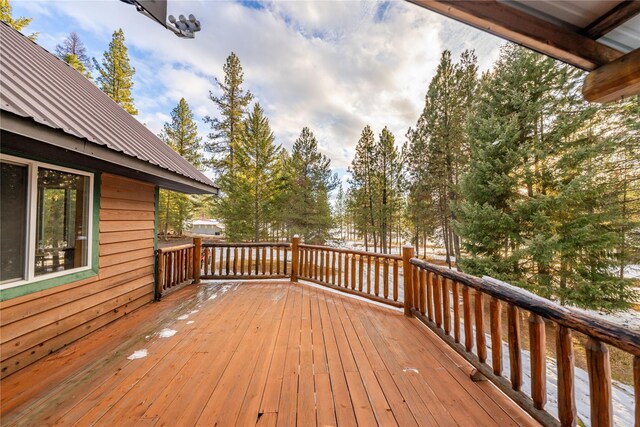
157,10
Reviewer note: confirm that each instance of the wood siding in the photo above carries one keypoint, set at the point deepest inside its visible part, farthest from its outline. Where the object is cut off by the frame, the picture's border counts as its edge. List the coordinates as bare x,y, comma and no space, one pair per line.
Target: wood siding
40,323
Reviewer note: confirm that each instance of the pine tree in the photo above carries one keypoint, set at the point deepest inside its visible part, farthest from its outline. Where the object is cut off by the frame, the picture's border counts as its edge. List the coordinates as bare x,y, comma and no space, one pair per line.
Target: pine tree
73,49
340,212
385,185
17,24
232,106
309,211
181,134
115,75
537,208
247,206
361,182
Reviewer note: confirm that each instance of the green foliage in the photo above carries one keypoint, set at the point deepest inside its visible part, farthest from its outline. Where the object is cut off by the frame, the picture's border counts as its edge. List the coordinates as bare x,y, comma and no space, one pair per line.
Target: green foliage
181,134
75,63
310,181
438,150
115,75
538,208
16,23
248,201
232,106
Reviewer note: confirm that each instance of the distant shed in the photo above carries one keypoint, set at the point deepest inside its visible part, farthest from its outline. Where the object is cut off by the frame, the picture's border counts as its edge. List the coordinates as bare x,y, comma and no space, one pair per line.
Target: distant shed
207,227
79,204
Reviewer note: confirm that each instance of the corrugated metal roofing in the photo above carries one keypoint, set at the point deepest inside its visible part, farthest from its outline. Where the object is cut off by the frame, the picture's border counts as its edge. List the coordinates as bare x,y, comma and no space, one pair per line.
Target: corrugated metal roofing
36,84
577,14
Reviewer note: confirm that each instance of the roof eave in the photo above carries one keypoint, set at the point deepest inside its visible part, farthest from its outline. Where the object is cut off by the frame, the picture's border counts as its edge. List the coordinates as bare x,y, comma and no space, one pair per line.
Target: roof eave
111,161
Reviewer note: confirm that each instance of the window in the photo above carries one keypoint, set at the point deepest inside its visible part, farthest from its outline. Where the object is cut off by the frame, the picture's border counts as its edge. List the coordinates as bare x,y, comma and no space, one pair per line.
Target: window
45,221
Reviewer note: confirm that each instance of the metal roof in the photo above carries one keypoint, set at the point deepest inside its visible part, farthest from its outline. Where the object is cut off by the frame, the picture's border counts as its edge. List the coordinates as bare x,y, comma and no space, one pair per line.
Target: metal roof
37,85
579,14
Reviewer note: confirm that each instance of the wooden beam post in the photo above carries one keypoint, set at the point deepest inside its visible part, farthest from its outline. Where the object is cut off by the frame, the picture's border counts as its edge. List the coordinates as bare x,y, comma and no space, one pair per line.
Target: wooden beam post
407,254
197,256
615,80
295,258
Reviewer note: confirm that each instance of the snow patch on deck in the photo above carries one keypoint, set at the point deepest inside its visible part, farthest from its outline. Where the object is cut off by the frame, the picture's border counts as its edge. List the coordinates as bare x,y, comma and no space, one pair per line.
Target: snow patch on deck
167,333
190,322
138,354
414,370
183,317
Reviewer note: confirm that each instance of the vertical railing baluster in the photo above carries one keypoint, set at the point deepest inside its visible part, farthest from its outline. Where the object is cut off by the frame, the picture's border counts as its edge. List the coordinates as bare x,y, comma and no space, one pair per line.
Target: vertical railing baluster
339,271
515,354
333,267
264,260
446,306
271,260
369,274
455,289
430,296
496,335
206,261
360,272
322,278
353,271
395,280
423,291
480,337
599,383
376,288
213,261
636,387
567,412
537,343
235,261
385,273
345,272
286,255
437,301
468,328
249,261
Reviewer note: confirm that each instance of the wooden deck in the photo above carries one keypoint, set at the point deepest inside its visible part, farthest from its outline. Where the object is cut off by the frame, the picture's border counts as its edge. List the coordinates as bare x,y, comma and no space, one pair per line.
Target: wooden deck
270,353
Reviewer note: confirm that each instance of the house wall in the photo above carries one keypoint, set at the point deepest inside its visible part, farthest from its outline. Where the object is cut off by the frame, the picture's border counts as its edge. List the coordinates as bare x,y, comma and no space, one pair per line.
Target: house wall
34,325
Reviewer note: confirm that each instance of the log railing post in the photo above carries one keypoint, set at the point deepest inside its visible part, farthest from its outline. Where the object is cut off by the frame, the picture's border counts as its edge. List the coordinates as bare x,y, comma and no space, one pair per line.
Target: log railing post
407,254
567,411
599,383
197,255
294,258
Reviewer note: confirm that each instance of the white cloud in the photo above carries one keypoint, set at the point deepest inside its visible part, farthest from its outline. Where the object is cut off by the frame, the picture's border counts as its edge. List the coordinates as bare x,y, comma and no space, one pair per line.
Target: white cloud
333,66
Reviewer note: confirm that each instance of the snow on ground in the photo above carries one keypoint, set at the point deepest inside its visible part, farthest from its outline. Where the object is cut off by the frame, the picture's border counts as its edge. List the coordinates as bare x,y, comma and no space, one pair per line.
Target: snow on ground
632,271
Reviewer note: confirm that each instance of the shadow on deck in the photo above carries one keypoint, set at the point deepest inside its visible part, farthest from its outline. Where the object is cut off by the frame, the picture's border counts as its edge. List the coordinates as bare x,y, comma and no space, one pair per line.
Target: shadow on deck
265,353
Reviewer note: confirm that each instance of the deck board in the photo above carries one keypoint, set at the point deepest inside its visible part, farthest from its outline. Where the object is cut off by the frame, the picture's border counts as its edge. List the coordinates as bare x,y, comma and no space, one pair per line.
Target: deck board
266,354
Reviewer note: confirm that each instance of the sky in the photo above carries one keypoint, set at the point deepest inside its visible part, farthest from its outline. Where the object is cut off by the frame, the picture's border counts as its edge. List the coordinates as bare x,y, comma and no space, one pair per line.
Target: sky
334,66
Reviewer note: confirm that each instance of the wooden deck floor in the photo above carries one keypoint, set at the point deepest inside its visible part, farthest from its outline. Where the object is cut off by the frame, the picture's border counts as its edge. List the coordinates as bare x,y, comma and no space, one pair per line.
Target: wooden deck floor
256,354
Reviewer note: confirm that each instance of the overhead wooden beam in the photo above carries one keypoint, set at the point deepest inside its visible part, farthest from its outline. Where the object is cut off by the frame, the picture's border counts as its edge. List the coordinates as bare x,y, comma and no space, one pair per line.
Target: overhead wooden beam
527,30
618,15
614,81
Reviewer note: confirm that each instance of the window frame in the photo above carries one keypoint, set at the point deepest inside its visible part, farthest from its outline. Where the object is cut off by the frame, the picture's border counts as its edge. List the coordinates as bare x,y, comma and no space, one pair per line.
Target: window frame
31,221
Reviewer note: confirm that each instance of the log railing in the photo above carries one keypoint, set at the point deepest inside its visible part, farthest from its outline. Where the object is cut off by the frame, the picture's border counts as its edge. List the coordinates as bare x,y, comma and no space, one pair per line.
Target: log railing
453,305
374,276
245,260
176,266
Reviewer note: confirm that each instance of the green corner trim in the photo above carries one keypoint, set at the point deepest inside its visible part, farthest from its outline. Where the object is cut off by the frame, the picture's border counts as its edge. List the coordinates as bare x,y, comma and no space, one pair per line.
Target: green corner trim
156,224
29,288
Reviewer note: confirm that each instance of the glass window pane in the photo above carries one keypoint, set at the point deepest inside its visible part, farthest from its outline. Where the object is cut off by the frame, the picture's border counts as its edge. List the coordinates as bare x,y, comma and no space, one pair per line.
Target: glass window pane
13,221
61,221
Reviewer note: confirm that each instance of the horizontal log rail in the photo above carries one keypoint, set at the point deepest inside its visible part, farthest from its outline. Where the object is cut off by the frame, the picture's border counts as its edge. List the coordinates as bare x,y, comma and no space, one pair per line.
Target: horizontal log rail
245,261
370,275
435,294
175,267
